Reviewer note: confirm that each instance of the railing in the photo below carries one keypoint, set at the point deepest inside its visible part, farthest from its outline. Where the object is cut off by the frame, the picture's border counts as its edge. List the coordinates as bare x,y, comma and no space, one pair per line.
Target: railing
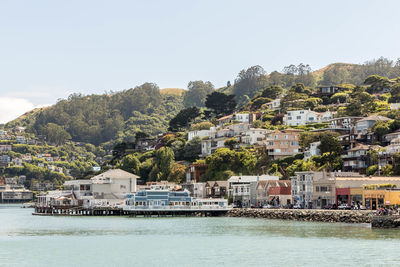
204,207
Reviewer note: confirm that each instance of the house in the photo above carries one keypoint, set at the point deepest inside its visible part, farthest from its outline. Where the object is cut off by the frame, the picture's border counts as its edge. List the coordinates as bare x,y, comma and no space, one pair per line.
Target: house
356,158
300,117
199,133
17,161
312,150
146,144
275,104
4,160
11,180
253,136
275,192
245,117
389,137
195,171
162,185
5,148
327,91
280,144
224,120
365,124
243,188
20,139
112,186
216,189
343,123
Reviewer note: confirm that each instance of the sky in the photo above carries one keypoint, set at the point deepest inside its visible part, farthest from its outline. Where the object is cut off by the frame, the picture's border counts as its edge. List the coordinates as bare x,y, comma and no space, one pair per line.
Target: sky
51,49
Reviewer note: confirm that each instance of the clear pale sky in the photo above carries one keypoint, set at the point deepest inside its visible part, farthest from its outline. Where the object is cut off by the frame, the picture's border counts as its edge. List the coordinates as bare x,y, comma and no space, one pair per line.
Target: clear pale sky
50,49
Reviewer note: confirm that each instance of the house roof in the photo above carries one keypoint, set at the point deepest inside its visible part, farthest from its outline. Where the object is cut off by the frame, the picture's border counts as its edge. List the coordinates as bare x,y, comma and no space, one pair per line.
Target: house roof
251,178
220,183
114,173
224,118
375,118
359,147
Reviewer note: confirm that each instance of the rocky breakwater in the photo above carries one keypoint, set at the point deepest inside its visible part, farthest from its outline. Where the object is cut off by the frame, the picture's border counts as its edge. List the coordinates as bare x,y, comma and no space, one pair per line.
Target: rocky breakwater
385,221
344,216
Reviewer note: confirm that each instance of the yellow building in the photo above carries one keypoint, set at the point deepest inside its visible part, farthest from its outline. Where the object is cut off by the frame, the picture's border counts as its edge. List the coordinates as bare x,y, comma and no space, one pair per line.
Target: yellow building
379,198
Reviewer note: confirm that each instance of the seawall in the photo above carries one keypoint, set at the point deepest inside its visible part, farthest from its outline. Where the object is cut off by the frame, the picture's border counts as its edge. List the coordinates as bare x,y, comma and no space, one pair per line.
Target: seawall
344,216
385,222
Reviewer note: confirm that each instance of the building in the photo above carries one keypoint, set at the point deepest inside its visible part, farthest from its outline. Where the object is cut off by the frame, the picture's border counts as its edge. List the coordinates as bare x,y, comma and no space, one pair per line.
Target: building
275,104
11,193
224,120
195,171
280,144
199,190
198,133
253,136
365,124
243,188
356,158
245,117
304,187
302,117
312,150
274,192
376,197
327,90
216,189
5,148
343,123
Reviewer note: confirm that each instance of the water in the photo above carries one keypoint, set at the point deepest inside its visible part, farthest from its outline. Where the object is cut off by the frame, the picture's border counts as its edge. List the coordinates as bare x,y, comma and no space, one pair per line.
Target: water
27,240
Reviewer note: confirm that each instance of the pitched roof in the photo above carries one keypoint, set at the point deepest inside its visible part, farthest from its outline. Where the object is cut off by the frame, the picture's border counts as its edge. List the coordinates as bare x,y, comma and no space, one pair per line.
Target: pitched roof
114,173
375,118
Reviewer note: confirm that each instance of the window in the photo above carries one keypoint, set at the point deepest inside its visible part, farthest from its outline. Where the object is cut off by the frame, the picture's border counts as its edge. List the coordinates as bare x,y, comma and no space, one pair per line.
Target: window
304,187
286,137
298,118
317,188
290,118
302,112
311,118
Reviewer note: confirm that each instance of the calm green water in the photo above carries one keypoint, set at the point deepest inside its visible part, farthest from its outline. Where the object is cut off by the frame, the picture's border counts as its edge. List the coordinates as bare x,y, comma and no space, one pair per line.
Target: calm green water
27,240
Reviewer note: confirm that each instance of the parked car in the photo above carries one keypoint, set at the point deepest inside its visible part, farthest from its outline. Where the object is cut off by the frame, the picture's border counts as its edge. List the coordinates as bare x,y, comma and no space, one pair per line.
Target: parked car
330,207
361,207
344,206
268,206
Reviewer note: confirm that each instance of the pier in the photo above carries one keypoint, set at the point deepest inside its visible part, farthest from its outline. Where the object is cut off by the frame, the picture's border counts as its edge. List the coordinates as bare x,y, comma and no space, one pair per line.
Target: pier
118,211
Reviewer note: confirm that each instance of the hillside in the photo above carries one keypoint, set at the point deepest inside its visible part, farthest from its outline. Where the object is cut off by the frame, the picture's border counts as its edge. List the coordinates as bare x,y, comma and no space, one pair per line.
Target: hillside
99,119
172,91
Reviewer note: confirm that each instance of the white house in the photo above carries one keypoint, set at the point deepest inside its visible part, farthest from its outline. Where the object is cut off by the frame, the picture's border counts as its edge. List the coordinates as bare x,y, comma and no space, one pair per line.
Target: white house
313,150
254,136
199,133
302,117
275,104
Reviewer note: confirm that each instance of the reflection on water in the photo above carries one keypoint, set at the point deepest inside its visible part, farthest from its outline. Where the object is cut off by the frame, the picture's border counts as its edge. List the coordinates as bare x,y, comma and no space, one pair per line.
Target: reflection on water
27,240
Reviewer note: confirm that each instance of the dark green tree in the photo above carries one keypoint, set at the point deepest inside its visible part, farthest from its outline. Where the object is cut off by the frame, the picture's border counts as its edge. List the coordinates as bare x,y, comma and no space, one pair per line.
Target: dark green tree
197,93
220,104
183,118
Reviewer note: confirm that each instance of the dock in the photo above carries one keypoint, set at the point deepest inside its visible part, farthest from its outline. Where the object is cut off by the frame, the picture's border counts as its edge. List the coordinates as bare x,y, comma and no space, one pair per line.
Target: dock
118,211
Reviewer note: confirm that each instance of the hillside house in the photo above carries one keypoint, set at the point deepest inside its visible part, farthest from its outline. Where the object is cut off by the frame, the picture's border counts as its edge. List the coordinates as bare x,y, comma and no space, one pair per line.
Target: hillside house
280,144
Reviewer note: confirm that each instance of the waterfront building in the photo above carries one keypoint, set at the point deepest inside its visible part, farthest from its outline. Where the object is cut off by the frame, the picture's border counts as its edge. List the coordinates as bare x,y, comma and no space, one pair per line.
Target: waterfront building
12,193
167,199
242,188
380,196
216,189
275,192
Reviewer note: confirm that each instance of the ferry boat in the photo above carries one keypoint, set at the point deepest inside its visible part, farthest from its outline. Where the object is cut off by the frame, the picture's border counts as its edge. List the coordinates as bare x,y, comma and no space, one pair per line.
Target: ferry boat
171,200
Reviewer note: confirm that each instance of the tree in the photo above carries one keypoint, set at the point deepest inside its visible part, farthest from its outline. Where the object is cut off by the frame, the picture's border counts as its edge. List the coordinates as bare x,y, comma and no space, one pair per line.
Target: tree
395,93
183,119
204,125
250,82
231,142
221,104
130,163
376,83
330,144
313,102
197,93
273,91
380,128
192,149
55,134
177,174
164,159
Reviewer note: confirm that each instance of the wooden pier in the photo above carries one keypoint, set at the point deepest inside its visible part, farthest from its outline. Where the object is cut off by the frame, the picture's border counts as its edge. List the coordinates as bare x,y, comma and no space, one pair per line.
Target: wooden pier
111,211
